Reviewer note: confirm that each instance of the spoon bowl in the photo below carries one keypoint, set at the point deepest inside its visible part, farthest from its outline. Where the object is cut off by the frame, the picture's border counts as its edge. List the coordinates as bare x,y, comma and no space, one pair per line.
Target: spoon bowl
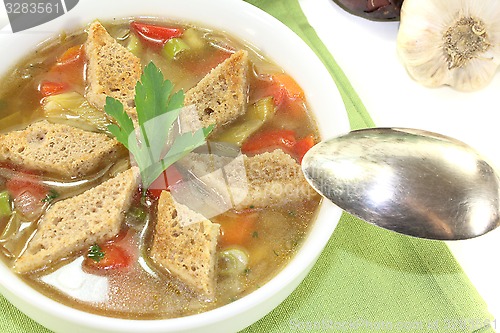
410,181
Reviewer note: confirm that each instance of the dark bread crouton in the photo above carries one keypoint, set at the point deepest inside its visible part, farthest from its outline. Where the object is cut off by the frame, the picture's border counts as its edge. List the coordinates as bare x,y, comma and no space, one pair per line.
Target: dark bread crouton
72,225
58,149
184,244
112,70
221,96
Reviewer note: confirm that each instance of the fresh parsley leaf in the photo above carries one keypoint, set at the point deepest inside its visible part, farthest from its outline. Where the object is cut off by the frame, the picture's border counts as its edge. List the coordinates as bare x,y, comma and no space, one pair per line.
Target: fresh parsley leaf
95,253
158,108
123,131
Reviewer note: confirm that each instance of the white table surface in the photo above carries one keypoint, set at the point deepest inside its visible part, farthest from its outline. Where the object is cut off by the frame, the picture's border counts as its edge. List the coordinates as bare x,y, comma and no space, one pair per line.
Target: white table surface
366,51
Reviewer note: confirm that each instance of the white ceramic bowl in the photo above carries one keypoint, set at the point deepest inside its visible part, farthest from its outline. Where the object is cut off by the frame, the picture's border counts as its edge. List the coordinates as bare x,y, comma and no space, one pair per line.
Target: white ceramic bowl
281,45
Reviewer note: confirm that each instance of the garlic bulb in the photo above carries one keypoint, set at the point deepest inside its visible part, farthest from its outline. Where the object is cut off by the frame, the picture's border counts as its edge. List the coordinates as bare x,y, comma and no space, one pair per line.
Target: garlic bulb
450,42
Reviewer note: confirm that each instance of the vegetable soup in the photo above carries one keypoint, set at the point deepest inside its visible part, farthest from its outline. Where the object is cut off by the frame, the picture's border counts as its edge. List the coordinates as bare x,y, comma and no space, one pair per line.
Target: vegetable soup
93,214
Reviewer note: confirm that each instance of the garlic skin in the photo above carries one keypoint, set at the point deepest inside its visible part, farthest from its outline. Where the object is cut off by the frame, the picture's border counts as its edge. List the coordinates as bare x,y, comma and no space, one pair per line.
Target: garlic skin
450,42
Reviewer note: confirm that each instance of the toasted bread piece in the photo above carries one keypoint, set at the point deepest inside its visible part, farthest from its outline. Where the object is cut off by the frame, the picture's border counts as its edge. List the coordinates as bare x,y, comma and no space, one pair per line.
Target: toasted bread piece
58,149
112,70
274,179
221,96
72,225
186,249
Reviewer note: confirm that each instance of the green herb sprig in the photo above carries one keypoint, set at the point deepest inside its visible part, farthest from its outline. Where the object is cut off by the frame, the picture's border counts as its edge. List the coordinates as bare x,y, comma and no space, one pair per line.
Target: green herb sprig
158,107
95,253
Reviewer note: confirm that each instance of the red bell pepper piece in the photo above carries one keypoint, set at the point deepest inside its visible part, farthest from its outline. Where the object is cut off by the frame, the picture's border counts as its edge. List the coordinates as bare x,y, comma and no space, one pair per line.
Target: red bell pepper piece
269,140
155,35
116,254
278,139
114,257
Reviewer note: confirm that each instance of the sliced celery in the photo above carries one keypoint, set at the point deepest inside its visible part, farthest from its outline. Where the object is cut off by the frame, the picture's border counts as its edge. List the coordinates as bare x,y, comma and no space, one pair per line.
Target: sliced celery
194,38
73,108
134,45
263,109
5,206
256,115
173,47
239,132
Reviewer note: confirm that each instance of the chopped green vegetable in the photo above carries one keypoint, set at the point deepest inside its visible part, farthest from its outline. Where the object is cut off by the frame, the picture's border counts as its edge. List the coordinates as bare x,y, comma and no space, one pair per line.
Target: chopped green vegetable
193,38
5,206
173,47
137,214
255,234
50,196
95,253
256,115
233,262
263,110
157,110
134,45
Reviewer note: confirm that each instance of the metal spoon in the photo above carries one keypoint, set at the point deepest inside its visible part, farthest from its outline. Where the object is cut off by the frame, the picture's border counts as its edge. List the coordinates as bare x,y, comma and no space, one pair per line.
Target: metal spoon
410,181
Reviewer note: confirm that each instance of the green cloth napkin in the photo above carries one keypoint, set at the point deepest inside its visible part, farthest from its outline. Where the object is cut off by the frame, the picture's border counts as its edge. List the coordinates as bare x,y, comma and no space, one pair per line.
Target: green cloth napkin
367,279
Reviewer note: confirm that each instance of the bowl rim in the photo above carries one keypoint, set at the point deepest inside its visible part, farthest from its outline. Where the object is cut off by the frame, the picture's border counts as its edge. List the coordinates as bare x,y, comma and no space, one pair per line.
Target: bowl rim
326,90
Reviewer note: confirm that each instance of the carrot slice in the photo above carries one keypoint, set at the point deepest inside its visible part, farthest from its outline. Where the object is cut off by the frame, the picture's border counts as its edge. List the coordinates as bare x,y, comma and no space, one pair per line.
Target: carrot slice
285,87
237,228
71,55
48,88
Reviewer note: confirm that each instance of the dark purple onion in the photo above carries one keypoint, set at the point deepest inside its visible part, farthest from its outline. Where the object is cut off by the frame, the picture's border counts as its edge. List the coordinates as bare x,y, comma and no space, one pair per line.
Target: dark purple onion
377,10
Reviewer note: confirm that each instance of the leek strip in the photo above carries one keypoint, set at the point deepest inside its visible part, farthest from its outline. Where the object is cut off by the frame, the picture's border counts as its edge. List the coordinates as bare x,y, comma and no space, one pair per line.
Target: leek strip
173,47
134,45
73,107
5,206
256,115
194,39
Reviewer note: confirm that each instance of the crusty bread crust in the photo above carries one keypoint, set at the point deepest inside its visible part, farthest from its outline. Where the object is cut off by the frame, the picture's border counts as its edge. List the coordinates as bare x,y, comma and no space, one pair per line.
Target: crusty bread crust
58,149
221,96
72,225
186,249
112,70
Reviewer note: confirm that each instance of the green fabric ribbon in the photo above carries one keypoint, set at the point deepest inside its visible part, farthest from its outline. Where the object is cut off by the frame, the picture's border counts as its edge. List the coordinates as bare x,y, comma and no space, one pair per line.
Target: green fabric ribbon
367,279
